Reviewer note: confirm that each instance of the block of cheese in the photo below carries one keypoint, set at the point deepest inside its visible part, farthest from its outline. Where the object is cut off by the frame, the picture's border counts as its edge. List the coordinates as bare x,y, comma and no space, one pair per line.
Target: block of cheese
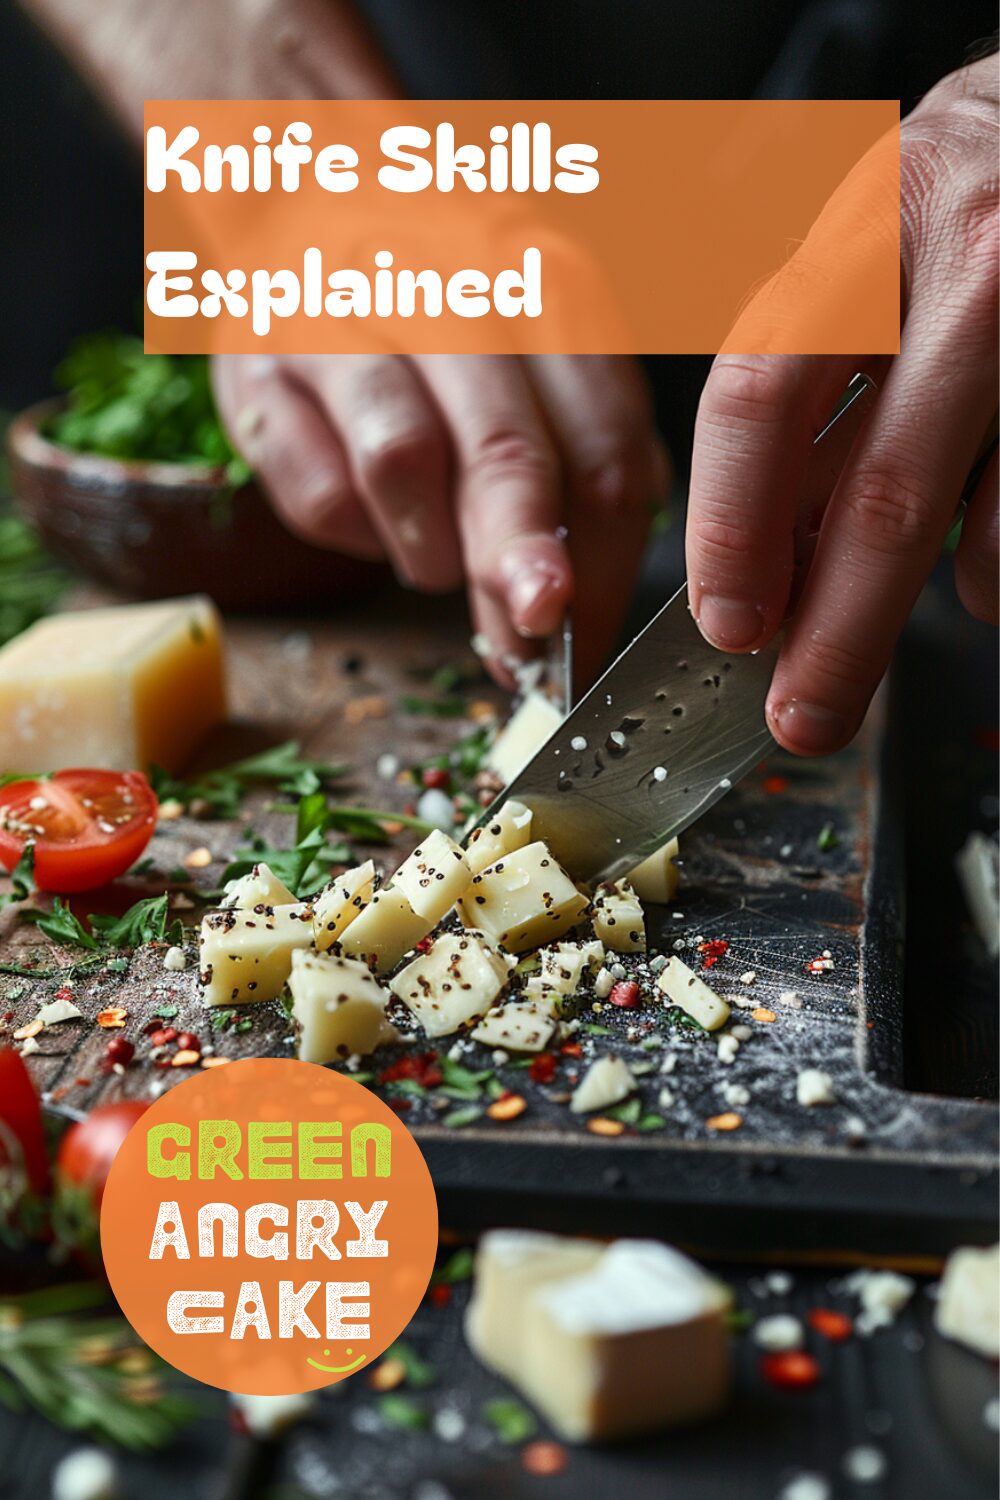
693,995
618,918
516,1028
507,830
611,1343
657,878
967,1306
524,900
342,901
434,876
526,731
384,930
246,956
120,688
259,887
455,981
339,1006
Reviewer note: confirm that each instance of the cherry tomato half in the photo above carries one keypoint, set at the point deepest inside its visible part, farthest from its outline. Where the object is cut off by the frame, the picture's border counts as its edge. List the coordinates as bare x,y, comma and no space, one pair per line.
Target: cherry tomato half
23,1161
87,826
89,1147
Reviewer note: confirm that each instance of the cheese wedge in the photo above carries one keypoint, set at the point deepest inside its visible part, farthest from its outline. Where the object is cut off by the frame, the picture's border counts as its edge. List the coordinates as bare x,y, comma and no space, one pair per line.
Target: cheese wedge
618,918
606,1342
524,900
606,1082
121,688
342,901
458,979
260,887
686,990
508,830
339,1006
384,930
434,876
245,956
967,1306
526,731
516,1028
657,878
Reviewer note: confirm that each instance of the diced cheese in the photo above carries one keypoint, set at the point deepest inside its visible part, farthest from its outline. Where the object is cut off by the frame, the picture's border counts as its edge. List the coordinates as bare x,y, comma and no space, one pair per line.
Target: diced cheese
119,688
618,918
561,973
458,979
86,1474
524,900
434,876
657,878
261,887
247,955
515,1028
606,1082
341,902
339,1005
611,1343
692,994
384,930
507,830
58,1010
813,1086
267,1416
525,732
967,1306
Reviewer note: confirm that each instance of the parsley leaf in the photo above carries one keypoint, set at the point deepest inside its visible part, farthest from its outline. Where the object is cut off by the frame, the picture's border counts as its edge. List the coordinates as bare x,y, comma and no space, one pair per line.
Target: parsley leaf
510,1419
22,878
223,790
63,927
145,922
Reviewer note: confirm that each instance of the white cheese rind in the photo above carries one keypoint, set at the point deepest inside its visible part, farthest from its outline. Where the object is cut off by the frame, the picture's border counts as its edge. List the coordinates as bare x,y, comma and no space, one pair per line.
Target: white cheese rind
524,900
606,1082
967,1306
507,830
516,1028
526,731
246,956
339,1006
454,982
341,901
657,878
384,930
434,876
686,990
618,919
260,887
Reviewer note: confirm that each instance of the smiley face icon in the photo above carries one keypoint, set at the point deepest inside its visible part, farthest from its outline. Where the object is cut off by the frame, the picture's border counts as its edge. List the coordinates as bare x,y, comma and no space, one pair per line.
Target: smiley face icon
337,1369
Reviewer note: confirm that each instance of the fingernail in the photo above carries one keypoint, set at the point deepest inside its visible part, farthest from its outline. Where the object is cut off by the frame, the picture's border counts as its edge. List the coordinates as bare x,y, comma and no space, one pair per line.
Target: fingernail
809,727
536,598
730,624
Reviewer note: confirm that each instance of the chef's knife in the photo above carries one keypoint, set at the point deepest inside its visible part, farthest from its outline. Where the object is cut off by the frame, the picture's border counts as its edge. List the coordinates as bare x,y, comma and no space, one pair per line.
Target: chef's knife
673,723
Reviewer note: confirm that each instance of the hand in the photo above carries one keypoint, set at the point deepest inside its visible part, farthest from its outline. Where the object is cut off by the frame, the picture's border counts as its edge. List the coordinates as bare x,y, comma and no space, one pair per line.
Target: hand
464,467
897,496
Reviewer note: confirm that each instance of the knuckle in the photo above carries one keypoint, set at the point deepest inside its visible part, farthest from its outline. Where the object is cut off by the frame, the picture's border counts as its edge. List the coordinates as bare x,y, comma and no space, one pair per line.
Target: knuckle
617,475
751,391
394,458
720,542
837,667
889,512
505,450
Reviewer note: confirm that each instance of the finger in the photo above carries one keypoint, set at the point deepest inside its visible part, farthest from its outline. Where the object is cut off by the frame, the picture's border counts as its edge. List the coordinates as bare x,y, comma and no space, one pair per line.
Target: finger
294,452
977,556
397,450
757,420
599,411
509,496
886,524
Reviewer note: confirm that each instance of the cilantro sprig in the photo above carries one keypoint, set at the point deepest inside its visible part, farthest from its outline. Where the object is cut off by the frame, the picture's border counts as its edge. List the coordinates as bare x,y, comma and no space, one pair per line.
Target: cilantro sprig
222,791
148,921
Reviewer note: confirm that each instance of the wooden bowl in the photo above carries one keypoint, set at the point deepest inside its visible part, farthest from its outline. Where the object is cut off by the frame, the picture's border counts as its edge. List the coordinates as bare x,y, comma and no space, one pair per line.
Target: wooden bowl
157,529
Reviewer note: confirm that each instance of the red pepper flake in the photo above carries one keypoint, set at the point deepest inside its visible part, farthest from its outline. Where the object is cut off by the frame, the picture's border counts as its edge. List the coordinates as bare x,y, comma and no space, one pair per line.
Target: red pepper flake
8,1015
542,1068
835,1326
162,1036
188,1042
790,1370
65,993
440,1294
436,778
544,1458
625,994
420,1066
571,1049
820,965
774,785
425,945
713,950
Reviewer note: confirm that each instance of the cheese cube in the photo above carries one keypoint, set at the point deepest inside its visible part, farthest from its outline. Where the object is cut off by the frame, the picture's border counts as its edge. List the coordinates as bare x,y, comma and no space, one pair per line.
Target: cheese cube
606,1082
618,918
339,1005
561,973
618,1341
507,830
524,900
693,995
458,979
967,1307
261,887
384,930
119,688
341,902
516,1028
434,876
526,731
247,955
657,878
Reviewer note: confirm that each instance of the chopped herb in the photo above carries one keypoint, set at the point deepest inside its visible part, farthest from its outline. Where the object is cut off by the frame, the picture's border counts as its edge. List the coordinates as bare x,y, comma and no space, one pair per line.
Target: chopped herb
22,878
827,838
510,1419
223,790
419,1374
145,922
436,708
456,1118
243,1024
739,1319
650,1122
458,1267
457,1077
628,1113
593,1030
30,581
402,1412
220,1018
117,965
167,1012
61,926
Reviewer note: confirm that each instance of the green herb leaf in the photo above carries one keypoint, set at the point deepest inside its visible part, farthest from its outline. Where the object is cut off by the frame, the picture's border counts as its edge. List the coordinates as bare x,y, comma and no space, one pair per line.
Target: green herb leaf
435,708
458,1267
22,878
402,1412
456,1118
827,838
145,922
510,1419
419,1374
61,926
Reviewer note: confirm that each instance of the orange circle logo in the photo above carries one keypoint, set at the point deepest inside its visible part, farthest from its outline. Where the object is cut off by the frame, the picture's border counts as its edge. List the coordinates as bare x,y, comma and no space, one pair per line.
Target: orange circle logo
269,1227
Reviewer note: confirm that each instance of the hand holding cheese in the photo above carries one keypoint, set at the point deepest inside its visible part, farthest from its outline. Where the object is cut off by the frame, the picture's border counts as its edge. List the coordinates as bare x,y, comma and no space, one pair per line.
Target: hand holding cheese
607,1342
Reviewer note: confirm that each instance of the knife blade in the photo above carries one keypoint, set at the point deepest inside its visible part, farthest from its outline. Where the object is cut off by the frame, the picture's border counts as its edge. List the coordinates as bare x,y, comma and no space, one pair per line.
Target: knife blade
673,723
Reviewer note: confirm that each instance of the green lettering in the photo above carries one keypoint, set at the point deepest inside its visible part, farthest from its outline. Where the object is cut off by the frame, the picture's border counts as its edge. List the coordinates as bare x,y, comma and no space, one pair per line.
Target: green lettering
179,1164
382,1137
218,1144
316,1147
259,1142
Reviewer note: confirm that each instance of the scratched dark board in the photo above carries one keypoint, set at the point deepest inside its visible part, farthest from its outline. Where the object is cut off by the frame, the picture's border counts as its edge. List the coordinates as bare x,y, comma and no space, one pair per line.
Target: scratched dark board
881,1170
